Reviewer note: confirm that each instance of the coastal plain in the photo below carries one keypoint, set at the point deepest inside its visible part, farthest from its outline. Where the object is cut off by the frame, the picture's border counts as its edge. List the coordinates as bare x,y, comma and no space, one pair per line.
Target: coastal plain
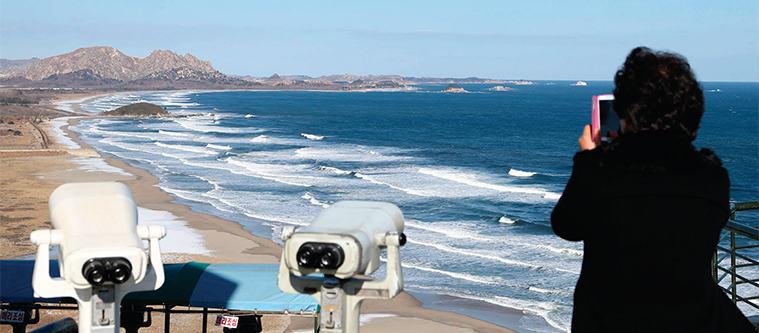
42,158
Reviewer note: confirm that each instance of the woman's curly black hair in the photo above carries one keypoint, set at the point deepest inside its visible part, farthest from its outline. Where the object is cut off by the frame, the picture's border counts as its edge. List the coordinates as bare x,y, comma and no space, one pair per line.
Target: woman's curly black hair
658,91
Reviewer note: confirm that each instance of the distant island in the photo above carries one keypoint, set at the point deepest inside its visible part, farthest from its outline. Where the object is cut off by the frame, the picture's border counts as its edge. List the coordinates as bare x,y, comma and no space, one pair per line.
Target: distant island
521,82
141,109
500,88
579,83
455,88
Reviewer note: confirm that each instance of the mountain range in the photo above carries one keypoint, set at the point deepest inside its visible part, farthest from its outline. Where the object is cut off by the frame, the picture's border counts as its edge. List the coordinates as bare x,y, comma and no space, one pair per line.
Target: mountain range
108,68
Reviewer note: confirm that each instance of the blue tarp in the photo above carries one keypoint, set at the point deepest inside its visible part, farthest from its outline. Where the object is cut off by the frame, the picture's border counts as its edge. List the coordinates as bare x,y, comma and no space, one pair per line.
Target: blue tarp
16,281
230,286
246,287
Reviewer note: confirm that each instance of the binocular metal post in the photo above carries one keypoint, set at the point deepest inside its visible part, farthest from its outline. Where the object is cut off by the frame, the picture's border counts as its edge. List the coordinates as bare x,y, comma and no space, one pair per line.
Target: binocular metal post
133,318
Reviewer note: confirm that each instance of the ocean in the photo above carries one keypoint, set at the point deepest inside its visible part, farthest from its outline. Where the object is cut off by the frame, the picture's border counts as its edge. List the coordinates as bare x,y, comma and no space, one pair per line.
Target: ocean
476,174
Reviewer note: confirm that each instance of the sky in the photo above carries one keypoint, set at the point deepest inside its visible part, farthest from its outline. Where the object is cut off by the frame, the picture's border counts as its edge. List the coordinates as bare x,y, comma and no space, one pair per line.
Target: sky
526,39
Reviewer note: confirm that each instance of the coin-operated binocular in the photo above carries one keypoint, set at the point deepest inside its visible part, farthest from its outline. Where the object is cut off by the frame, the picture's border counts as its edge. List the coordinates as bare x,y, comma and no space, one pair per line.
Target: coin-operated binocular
328,259
101,254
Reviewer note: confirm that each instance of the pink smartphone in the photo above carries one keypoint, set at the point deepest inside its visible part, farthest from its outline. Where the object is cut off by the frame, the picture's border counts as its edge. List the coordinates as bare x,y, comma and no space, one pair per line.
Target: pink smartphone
604,117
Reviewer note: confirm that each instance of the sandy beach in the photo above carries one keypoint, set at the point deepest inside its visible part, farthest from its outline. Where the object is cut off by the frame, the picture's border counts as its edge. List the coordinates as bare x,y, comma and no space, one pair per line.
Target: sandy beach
28,177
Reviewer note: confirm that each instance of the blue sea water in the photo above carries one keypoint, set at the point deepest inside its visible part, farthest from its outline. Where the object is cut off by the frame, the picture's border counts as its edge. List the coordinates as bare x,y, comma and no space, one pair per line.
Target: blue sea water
475,174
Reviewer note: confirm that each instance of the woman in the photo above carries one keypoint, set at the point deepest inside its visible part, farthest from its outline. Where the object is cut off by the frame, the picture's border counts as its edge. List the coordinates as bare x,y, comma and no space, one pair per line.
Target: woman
650,208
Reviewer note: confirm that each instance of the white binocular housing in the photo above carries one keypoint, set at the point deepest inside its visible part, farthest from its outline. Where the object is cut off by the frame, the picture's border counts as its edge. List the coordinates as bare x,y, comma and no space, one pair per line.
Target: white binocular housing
101,252
344,240
342,243
95,227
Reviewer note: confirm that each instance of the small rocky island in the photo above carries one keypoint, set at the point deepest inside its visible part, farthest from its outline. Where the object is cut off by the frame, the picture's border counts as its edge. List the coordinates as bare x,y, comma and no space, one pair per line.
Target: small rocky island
500,88
454,88
141,109
522,83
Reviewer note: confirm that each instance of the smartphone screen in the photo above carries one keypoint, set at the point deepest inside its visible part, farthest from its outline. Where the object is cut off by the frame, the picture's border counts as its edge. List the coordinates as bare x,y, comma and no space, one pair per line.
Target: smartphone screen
604,118
609,119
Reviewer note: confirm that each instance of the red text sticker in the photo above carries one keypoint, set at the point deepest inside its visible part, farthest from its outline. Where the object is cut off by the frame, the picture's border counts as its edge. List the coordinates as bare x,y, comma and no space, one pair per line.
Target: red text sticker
11,316
226,321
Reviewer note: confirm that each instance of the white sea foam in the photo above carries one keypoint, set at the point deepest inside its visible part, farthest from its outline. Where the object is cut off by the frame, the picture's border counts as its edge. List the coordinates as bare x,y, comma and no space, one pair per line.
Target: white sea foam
213,146
219,200
181,134
277,218
312,136
314,201
206,125
261,139
475,254
342,153
98,130
96,164
567,271
249,116
536,314
506,220
518,173
65,106
540,290
273,140
192,149
407,190
462,276
450,232
335,170
198,197
463,233
571,252
266,172
179,237
530,308
68,105
113,101
152,149
59,136
472,180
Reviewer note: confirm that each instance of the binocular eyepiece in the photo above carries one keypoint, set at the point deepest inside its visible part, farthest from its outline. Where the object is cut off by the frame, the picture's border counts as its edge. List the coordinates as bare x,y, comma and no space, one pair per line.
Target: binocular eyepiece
116,270
320,255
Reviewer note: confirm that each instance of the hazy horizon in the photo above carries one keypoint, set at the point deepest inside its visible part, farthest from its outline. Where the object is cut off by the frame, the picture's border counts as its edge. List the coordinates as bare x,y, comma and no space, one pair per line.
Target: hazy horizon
584,40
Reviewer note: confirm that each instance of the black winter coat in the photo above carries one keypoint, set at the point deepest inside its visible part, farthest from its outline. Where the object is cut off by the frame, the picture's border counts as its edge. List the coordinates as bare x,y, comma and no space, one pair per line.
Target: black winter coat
650,208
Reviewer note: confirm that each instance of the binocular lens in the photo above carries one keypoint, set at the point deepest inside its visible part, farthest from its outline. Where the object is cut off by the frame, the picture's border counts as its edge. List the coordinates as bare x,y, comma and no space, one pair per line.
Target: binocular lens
330,259
98,271
306,255
96,276
320,255
94,272
120,271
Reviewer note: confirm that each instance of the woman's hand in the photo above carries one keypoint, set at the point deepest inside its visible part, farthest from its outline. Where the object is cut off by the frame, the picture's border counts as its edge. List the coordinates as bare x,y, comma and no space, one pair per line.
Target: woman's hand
586,140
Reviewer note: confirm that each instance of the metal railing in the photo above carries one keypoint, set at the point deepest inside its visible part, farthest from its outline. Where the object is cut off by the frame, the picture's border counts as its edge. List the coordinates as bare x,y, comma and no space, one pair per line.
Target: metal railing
734,261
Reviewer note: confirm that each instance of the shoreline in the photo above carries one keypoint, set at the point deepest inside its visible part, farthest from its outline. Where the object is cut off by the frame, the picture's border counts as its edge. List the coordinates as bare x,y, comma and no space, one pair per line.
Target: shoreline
228,241
227,237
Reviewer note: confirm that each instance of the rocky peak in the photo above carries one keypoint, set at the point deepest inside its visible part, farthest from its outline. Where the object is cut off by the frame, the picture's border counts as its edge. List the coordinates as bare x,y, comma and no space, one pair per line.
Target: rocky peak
6,63
160,61
110,63
12,68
